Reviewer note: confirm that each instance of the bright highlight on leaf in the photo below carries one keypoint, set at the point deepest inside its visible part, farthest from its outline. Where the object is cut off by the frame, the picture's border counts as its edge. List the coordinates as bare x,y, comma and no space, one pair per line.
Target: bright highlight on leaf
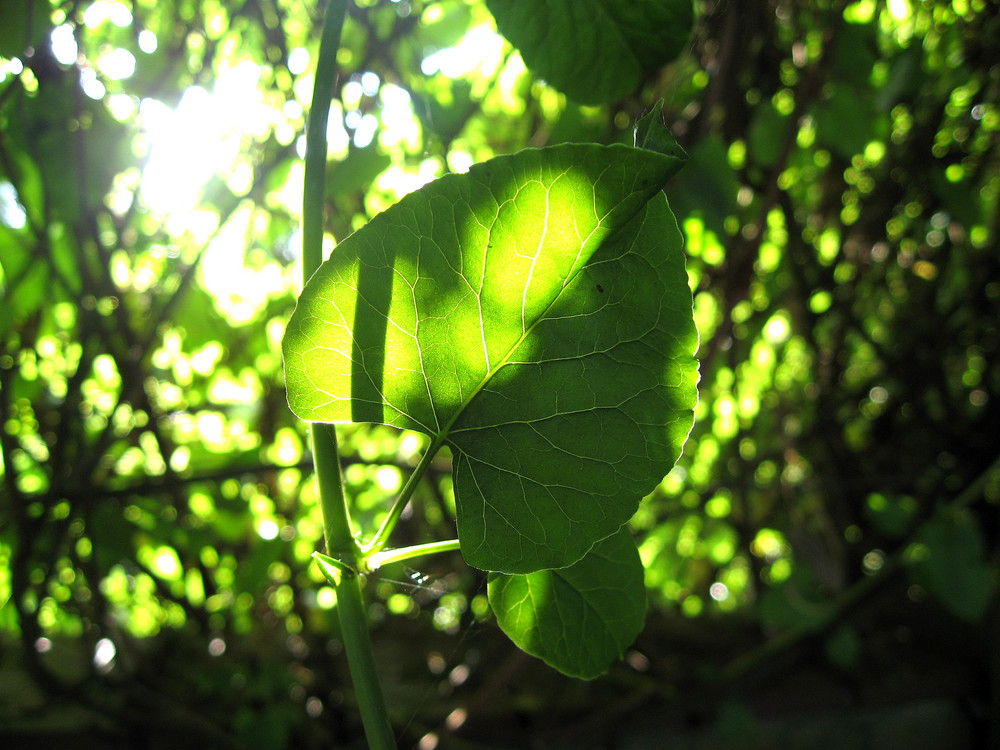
533,314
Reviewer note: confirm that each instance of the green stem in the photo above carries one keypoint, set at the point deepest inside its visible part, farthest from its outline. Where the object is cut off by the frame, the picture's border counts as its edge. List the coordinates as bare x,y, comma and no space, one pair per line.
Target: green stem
382,535
361,662
337,527
333,569
314,188
377,559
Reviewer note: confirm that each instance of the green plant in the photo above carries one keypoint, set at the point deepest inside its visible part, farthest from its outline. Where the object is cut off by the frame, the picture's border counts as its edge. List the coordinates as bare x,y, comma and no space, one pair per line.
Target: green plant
834,507
533,315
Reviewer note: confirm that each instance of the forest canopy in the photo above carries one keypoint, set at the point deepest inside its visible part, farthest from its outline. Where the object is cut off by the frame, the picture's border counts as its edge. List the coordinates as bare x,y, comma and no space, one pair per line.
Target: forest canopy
829,532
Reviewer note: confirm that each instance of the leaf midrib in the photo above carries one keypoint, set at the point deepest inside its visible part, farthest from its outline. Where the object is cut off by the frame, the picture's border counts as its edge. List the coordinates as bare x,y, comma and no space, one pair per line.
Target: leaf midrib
443,432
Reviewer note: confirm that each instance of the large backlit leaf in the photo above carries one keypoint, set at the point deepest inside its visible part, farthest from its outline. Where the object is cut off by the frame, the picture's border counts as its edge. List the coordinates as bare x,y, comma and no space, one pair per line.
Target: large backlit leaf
594,51
577,619
534,315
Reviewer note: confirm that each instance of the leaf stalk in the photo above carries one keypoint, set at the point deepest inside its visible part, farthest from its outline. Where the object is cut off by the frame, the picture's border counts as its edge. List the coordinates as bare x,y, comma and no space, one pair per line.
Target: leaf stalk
377,559
381,537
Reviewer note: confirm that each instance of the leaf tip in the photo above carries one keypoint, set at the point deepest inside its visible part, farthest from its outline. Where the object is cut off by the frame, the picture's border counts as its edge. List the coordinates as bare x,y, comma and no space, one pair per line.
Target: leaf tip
653,135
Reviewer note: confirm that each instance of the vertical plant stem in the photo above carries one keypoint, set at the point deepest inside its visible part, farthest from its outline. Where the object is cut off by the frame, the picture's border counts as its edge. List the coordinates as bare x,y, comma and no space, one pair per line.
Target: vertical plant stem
314,194
337,528
361,662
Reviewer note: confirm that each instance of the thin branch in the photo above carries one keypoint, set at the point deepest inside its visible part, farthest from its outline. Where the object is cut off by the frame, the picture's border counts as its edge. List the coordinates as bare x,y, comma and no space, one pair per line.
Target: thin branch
852,597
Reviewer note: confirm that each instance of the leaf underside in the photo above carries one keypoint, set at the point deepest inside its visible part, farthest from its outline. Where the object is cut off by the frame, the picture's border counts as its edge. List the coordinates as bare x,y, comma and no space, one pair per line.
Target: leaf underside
594,51
578,619
534,315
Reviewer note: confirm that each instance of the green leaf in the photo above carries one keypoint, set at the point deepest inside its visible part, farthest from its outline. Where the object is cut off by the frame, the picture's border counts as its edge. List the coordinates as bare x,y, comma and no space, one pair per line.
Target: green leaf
23,25
766,135
891,515
577,619
855,51
708,185
651,134
948,559
843,647
54,138
594,51
846,121
450,23
23,283
355,171
534,315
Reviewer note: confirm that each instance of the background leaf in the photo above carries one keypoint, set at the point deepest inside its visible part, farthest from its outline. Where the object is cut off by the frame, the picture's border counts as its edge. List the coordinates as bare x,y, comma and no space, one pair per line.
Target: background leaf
594,51
535,314
948,560
577,619
23,24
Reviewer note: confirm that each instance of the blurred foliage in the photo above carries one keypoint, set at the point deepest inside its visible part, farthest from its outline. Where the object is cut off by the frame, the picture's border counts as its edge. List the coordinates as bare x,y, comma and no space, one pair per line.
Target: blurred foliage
835,500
